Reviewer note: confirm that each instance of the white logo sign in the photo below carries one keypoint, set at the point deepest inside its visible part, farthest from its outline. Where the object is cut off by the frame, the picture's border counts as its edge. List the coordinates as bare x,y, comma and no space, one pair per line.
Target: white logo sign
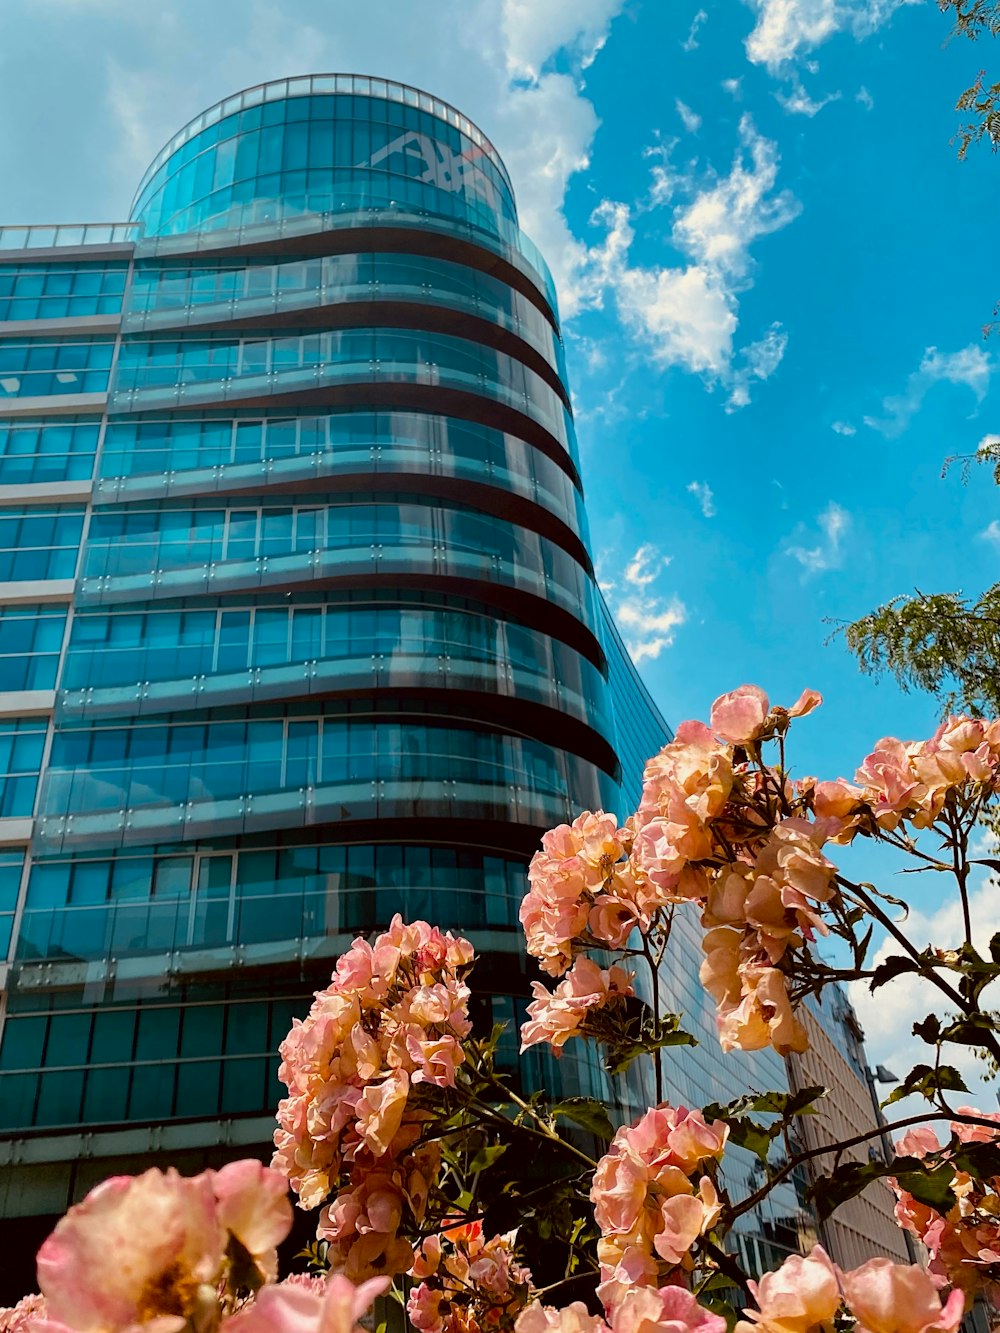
441,167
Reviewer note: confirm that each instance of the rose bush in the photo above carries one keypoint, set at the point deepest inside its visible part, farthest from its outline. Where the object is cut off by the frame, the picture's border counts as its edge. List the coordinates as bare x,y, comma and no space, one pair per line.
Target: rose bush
475,1208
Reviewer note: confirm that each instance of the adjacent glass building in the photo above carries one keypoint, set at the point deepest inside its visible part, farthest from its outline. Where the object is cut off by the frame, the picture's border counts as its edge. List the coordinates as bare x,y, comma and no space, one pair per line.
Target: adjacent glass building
298,623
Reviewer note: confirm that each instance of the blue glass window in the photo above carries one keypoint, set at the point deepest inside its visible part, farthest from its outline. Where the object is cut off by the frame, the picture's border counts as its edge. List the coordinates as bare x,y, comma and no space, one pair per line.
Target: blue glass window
38,451
88,909
22,744
37,543
32,368
30,644
11,866
57,291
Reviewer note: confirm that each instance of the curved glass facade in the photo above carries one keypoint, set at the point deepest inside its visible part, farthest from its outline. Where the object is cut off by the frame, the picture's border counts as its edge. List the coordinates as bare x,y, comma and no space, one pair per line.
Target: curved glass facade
298,620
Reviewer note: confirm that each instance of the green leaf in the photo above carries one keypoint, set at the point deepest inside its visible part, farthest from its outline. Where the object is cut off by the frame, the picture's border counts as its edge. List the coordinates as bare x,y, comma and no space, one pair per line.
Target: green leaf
755,1138
621,1055
925,1081
485,1157
589,1114
894,966
930,1185
929,1029
789,1104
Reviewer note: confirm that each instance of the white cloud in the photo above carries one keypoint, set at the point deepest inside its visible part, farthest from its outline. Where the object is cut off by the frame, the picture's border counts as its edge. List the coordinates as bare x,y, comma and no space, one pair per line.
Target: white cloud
703,494
647,620
888,1015
690,42
686,315
734,87
798,102
844,428
992,533
534,32
645,566
787,28
546,130
760,360
689,119
864,97
833,523
987,443
970,367
722,222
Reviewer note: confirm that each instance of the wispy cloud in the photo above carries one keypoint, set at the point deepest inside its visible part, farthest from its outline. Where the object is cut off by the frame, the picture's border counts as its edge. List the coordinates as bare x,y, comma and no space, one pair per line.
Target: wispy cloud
758,361
647,620
864,97
844,428
734,87
797,101
690,42
991,534
786,29
689,119
533,33
970,367
703,494
827,553
686,315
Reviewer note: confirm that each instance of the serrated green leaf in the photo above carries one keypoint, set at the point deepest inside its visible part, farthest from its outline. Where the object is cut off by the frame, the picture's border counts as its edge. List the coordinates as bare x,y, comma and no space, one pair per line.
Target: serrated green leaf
588,1113
925,1081
621,1056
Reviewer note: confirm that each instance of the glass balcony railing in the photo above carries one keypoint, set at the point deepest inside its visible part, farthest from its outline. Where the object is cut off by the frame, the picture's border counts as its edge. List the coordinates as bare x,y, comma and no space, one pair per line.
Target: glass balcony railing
67,234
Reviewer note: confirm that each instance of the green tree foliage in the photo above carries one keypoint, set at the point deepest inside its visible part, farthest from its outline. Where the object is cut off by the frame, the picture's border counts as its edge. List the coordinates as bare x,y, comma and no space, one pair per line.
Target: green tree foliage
981,100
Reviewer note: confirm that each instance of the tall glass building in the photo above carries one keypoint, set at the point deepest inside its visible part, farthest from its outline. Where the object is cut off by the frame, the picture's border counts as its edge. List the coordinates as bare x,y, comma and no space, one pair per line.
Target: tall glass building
298,622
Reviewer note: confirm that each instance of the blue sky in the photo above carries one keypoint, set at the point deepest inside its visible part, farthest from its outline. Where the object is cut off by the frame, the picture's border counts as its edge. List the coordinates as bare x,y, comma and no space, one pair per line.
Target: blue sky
773,268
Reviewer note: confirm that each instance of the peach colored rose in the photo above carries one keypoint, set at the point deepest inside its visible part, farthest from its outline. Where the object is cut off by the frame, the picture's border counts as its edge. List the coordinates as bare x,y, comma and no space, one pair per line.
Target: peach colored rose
667,1310
740,715
802,1296
575,1318
899,1298
137,1250
252,1204
289,1308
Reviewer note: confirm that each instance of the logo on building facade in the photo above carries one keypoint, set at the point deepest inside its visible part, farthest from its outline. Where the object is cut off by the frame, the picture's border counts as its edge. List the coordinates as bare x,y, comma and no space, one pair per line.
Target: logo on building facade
441,167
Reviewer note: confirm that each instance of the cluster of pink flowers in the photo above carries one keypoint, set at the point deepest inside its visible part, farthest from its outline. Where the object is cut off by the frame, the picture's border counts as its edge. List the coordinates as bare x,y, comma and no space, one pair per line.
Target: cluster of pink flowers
652,1199
639,1310
964,1243
577,1006
467,1284
809,1294
582,893
160,1249
912,780
389,1026
719,828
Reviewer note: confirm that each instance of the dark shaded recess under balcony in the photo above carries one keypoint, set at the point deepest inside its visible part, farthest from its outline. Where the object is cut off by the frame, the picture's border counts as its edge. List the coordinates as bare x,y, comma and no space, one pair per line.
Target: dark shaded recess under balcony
395,240
433,399
385,314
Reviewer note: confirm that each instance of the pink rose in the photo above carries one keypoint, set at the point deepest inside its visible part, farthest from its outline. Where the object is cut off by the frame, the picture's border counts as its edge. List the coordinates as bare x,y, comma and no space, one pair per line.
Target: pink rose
899,1298
135,1248
740,715
298,1309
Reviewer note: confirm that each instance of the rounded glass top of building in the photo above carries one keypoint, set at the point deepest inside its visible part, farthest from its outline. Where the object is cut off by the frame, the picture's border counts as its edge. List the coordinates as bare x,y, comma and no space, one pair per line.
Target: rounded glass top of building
324,143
